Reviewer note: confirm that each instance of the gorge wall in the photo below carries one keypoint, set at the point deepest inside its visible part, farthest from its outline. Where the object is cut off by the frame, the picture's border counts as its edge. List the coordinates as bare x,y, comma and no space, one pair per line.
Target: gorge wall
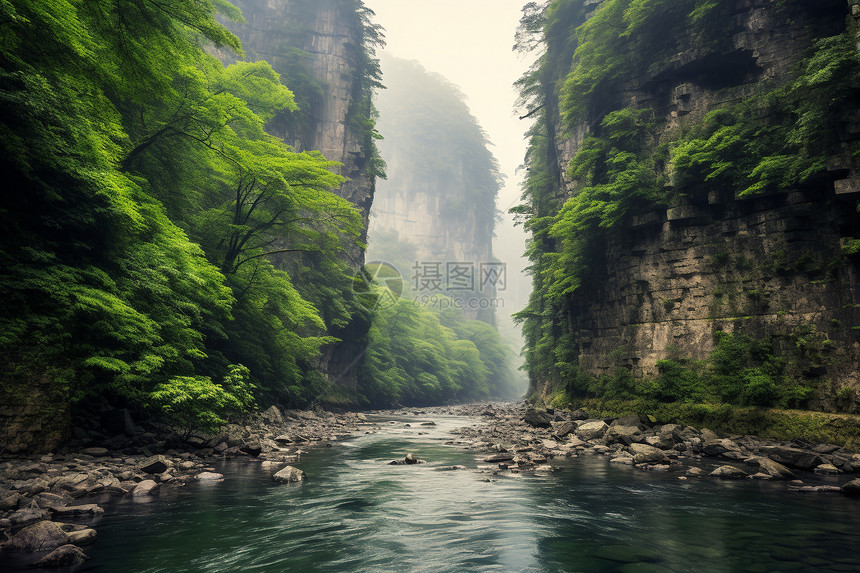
688,252
436,210
324,51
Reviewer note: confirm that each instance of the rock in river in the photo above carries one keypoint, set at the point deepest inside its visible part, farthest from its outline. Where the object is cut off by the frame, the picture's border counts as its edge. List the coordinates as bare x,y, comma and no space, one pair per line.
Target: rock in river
852,488
41,536
146,487
154,465
728,472
62,556
289,474
537,418
592,430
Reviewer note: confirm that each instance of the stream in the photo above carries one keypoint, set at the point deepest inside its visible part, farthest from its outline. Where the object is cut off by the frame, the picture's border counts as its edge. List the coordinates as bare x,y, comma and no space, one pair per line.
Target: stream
357,513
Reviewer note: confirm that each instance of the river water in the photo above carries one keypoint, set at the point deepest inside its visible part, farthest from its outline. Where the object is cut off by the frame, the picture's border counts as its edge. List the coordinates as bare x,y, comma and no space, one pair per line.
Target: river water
356,513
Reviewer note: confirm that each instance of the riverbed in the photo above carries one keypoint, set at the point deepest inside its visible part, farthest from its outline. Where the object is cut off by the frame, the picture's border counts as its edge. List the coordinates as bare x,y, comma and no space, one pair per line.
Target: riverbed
355,512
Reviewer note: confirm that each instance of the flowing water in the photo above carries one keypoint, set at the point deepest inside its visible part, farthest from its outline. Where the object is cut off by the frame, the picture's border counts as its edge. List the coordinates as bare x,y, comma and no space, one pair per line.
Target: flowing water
356,513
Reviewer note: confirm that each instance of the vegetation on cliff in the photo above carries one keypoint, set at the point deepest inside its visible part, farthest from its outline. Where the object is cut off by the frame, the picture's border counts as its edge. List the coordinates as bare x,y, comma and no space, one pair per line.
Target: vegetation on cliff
768,136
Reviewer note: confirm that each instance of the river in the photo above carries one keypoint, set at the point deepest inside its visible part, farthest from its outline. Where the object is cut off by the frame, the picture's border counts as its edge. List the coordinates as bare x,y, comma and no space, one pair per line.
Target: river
357,513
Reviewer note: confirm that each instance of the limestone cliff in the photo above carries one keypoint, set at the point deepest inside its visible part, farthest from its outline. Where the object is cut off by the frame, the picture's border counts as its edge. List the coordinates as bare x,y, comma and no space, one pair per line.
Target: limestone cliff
437,206
323,50
689,253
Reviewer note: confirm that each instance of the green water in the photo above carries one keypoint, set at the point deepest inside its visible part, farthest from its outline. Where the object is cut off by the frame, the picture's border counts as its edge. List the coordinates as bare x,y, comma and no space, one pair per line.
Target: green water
356,513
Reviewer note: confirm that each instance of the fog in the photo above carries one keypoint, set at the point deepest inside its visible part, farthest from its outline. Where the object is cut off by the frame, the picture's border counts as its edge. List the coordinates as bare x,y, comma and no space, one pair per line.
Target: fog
469,42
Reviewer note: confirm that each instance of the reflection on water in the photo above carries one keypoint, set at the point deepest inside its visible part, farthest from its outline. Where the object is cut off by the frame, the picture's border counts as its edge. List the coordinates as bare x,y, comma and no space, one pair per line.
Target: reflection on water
356,513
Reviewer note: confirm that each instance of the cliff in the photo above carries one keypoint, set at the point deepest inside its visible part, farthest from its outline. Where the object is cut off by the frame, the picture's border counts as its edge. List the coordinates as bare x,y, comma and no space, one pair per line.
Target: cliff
324,52
693,192
437,207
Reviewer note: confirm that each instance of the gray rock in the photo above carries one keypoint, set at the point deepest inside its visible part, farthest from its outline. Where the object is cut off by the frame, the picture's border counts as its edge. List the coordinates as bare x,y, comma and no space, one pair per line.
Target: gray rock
564,429
852,488
618,434
792,457
579,415
289,474
645,454
500,457
9,502
28,515
76,510
154,465
827,469
825,448
144,488
537,418
729,472
629,420
273,416
592,430
62,556
719,446
95,452
253,448
209,476
771,468
410,459
695,472
82,537
42,536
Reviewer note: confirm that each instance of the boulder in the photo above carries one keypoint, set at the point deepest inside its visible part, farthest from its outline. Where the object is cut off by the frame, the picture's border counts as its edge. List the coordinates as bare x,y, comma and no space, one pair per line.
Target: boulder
289,474
209,476
771,468
827,469
42,536
82,537
410,459
792,457
28,515
564,428
146,487
592,430
252,448
76,510
500,457
273,416
537,418
695,472
719,446
9,502
852,488
729,472
579,415
62,556
645,454
618,434
629,420
154,465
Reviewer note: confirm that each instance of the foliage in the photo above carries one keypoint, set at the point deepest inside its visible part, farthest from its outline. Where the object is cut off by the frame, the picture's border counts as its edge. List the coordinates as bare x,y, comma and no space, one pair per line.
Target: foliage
773,136
147,202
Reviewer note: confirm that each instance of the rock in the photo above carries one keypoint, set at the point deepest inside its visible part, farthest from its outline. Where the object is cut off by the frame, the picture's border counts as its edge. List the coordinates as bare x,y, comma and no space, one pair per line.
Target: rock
209,476
707,435
82,537
622,434
564,429
729,472
825,448
578,415
289,474
852,488
154,465
410,459
221,447
146,487
827,469
645,454
42,536
252,448
500,457
792,457
9,502
47,500
771,468
273,416
62,556
28,515
75,510
537,418
430,423
592,430
95,452
718,447
629,420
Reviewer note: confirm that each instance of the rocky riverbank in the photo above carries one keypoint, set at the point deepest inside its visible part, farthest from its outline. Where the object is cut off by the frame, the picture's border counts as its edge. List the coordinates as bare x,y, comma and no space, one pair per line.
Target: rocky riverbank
518,438
46,509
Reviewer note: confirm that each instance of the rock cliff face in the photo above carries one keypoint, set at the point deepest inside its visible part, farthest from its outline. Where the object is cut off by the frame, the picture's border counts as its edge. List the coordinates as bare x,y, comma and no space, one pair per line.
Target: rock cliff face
320,48
437,206
770,265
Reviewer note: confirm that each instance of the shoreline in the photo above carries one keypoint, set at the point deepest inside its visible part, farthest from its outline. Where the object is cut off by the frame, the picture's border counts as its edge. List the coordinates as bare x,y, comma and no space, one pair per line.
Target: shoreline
45,511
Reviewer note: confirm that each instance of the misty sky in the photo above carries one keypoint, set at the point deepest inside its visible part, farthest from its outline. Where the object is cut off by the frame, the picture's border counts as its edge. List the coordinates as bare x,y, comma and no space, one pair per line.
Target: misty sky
469,42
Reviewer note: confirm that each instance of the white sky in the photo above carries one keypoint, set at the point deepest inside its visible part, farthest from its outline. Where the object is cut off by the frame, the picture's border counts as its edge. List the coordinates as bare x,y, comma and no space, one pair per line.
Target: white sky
469,42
